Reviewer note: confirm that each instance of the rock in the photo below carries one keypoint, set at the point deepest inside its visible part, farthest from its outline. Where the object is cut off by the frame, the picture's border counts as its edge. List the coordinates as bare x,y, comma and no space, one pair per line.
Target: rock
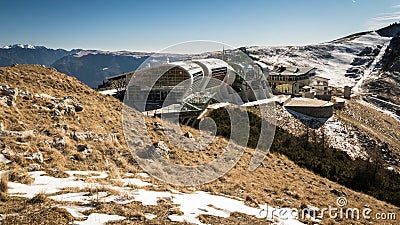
44,96
67,105
8,95
34,167
91,136
56,114
71,100
78,108
157,126
86,150
26,95
37,156
40,108
58,143
63,127
136,143
20,134
338,192
7,91
188,135
157,150
69,110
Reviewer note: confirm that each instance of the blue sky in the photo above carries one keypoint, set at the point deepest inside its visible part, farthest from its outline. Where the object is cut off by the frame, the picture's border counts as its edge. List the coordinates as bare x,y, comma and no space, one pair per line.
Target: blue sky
153,25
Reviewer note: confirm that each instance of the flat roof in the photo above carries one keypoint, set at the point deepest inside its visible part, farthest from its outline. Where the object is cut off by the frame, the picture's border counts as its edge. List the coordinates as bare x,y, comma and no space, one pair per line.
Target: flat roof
307,102
321,78
189,66
212,63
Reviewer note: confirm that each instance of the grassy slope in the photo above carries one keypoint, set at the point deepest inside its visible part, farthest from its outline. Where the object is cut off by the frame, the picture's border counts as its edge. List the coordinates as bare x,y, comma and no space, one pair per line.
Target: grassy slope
279,182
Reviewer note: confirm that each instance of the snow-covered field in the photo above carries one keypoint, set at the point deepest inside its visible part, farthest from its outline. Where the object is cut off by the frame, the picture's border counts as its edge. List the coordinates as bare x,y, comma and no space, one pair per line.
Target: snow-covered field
332,59
341,136
132,190
337,134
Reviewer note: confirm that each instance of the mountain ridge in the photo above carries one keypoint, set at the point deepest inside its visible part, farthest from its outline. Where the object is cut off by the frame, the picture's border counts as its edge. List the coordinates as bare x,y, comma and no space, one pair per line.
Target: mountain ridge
93,66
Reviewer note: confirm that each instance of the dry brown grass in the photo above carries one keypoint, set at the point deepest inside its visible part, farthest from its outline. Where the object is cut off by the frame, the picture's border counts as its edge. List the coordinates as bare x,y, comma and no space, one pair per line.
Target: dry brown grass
278,178
38,199
4,187
4,183
101,115
20,175
34,214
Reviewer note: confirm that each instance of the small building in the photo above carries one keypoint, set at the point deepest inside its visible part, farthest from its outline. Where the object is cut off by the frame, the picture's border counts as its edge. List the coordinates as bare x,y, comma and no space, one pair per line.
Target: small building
347,92
307,92
320,87
339,103
311,107
290,80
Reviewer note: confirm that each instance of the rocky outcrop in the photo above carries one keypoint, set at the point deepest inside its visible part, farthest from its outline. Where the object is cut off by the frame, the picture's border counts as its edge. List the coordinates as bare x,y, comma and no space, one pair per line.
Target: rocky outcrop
63,127
8,95
37,157
85,149
58,143
17,134
155,151
91,136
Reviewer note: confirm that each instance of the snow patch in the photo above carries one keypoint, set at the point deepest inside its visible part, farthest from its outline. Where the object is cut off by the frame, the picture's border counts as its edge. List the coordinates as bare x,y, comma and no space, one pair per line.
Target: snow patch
192,205
99,219
150,216
109,92
202,203
133,181
144,175
342,137
3,159
50,185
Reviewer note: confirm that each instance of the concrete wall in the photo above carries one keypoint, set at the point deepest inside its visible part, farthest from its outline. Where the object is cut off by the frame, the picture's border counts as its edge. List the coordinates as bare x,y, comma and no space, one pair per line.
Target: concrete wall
319,112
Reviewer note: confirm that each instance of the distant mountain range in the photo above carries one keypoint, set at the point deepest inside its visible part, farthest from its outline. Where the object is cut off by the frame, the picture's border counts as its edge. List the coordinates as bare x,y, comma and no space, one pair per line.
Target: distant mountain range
29,54
344,61
89,66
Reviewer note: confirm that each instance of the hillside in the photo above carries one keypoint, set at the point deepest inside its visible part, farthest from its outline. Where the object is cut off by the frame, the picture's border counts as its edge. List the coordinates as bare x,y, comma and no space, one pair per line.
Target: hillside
66,159
386,85
366,61
343,61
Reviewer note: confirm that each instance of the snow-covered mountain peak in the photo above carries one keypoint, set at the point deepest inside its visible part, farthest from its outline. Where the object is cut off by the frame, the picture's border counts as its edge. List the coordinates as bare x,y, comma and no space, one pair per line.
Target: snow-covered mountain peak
25,46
